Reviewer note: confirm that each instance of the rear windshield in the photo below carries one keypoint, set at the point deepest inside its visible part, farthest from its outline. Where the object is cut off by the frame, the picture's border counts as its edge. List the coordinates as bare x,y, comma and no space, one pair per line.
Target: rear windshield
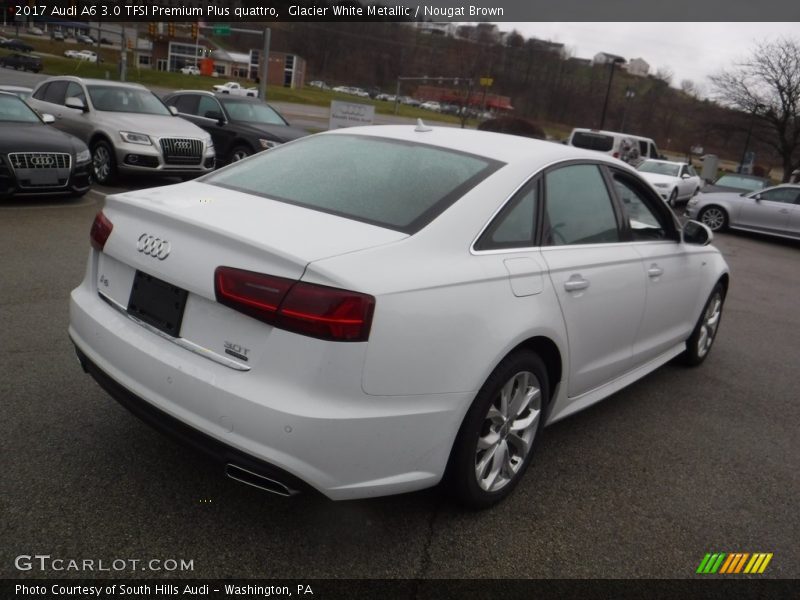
592,141
390,183
742,183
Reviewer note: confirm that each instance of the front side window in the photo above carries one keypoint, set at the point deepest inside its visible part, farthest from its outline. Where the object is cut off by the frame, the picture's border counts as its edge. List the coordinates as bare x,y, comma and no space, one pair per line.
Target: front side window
643,223
578,207
389,183
208,105
74,90
786,195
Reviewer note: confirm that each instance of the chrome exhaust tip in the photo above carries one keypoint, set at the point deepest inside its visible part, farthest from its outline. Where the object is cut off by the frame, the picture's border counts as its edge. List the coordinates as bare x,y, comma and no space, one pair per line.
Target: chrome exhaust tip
241,475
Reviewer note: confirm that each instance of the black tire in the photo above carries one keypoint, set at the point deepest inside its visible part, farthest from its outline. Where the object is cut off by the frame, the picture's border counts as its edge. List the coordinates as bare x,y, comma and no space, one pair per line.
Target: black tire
714,217
485,421
705,332
239,152
103,154
673,198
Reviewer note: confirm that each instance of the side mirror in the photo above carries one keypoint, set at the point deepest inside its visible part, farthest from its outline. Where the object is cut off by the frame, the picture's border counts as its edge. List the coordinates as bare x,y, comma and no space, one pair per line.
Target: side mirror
215,115
696,233
173,110
75,103
48,118
685,176
757,198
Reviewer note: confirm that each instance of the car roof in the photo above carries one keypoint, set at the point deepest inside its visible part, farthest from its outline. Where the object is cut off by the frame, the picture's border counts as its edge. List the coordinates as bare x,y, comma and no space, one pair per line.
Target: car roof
510,149
665,162
744,175
14,88
218,95
88,81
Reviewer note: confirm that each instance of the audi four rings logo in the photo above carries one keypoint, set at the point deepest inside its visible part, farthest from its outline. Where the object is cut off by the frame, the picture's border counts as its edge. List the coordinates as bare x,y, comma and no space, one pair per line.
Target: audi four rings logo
182,145
150,245
42,161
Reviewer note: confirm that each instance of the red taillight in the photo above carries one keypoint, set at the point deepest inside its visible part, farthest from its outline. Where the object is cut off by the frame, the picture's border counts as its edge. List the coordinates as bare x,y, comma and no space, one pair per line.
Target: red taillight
616,154
314,310
101,229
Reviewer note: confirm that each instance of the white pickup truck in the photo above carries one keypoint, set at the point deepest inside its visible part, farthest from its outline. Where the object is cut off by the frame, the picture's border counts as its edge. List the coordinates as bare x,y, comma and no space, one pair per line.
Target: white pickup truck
235,89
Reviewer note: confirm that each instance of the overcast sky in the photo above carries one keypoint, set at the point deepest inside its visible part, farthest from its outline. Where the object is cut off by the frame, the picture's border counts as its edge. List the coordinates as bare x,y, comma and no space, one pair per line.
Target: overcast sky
690,50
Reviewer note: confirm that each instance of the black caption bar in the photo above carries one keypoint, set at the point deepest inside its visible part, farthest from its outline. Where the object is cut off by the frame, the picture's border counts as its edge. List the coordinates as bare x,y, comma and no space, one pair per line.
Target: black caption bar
369,589
233,11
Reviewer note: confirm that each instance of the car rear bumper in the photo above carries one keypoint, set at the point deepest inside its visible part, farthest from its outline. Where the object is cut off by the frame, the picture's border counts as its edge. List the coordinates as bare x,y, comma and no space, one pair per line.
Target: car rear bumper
345,445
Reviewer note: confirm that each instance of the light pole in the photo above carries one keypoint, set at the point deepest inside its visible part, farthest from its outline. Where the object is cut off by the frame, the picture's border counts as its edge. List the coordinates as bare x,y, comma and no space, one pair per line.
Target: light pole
608,90
630,94
749,133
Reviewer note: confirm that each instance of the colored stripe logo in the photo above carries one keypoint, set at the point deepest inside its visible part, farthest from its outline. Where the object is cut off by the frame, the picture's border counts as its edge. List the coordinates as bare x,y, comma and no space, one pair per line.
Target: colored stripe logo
734,563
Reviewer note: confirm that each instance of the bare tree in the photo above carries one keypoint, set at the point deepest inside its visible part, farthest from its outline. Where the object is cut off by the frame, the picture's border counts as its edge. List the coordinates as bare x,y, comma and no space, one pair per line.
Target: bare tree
767,86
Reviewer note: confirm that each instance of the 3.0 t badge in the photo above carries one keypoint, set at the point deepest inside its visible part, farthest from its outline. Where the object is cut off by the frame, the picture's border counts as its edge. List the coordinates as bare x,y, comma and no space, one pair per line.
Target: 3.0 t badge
150,245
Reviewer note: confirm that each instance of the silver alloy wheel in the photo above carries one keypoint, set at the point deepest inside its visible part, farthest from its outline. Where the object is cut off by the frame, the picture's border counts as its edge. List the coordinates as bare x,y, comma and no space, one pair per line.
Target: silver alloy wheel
709,324
239,155
102,163
508,430
673,198
713,218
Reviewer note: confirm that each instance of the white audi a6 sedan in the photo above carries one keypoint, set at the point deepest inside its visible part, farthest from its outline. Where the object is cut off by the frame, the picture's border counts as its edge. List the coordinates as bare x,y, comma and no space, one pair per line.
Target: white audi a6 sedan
374,310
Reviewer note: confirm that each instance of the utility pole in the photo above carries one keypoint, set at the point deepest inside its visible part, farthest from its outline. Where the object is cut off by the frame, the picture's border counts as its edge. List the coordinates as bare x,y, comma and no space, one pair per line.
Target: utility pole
608,90
123,56
262,83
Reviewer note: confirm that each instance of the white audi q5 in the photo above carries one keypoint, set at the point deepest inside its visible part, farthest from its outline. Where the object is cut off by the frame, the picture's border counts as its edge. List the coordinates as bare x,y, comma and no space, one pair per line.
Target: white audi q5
376,310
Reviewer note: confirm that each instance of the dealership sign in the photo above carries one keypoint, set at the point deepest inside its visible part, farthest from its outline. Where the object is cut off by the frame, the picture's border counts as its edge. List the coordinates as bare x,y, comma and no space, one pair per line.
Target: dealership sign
350,114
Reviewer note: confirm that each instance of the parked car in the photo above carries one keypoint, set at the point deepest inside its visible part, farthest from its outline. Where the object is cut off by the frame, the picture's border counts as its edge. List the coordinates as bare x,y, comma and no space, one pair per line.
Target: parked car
17,45
737,182
35,31
235,89
370,311
72,53
57,36
674,181
87,55
26,62
36,159
318,84
774,210
624,146
190,70
126,126
431,105
106,41
22,92
85,39
238,126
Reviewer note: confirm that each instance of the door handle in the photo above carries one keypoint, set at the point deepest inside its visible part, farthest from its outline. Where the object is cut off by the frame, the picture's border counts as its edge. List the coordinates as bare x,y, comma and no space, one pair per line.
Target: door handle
575,283
655,271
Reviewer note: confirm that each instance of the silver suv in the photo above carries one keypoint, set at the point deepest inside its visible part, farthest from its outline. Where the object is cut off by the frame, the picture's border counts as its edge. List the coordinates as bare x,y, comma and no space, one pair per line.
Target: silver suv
127,128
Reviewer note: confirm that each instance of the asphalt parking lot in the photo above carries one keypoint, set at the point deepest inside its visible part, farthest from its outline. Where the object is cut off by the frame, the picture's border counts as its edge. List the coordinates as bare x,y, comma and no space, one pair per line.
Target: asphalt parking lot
684,462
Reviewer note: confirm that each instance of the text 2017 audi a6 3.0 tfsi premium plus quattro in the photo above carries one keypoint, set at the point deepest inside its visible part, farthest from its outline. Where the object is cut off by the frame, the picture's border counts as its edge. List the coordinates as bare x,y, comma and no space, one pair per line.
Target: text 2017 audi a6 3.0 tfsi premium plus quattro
374,310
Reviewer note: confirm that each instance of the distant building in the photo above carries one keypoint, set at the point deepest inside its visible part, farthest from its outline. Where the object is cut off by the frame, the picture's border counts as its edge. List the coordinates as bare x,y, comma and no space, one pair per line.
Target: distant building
638,67
604,58
446,29
547,46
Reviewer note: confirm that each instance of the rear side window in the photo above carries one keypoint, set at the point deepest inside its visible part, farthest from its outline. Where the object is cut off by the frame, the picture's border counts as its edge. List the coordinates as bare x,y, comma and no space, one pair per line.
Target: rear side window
40,93
391,183
514,226
186,104
592,141
578,207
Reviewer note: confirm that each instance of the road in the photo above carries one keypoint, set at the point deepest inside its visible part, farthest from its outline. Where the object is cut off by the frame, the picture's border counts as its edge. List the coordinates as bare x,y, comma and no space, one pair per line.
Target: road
684,462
